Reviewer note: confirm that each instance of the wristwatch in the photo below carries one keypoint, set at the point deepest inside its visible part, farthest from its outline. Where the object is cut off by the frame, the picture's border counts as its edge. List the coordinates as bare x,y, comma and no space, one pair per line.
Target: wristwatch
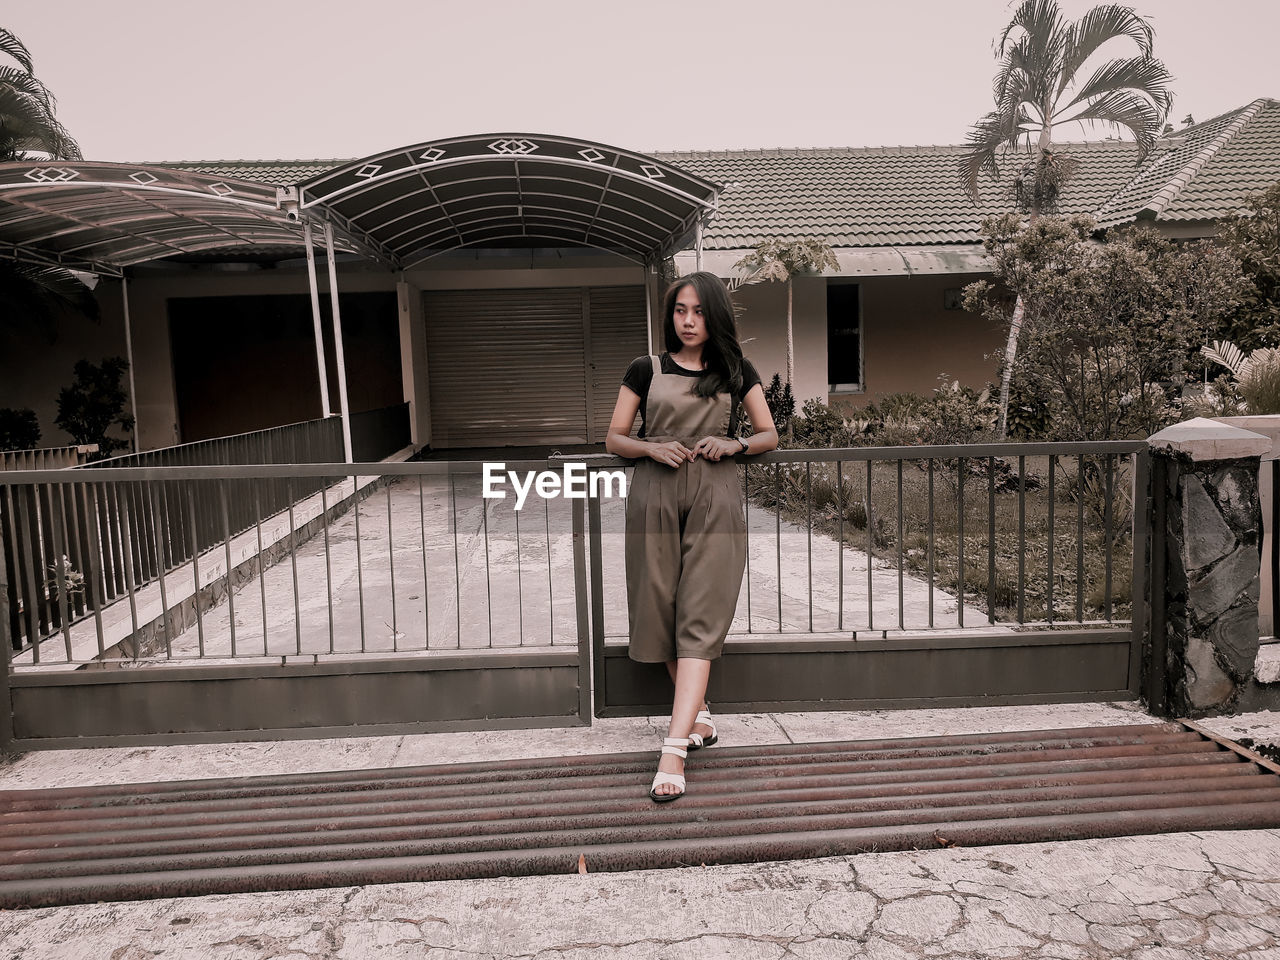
744,444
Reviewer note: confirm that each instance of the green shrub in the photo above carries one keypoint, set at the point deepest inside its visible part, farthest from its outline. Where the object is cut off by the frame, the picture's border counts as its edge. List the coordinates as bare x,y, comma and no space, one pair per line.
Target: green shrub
94,403
19,429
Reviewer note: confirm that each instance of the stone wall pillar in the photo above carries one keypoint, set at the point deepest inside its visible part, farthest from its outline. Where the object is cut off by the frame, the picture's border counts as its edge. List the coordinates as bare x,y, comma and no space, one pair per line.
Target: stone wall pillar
1204,637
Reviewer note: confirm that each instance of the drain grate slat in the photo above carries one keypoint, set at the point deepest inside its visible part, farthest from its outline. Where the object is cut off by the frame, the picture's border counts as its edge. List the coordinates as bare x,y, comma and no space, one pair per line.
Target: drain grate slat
537,816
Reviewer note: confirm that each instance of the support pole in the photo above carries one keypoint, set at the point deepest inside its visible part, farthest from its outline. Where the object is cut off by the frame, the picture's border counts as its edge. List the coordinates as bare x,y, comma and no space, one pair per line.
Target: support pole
649,268
337,343
128,349
321,368
697,244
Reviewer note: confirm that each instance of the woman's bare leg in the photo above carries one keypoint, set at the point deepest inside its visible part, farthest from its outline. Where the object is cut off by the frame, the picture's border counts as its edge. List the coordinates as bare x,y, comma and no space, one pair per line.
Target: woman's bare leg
690,675
699,728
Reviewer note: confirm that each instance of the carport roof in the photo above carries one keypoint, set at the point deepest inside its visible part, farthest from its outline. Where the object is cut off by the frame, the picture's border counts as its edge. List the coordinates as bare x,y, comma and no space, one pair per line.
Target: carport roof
515,189
106,216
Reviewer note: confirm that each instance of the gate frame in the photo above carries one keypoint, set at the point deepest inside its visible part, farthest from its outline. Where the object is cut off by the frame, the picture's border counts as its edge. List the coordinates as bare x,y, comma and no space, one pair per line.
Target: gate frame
636,687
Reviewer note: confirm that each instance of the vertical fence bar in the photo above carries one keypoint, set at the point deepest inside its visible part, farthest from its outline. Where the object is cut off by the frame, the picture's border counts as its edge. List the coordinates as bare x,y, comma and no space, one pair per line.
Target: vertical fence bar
293,565
1274,507
391,565
95,570
901,602
328,561
808,529
871,596
1080,538
586,640
960,470
1160,468
1108,539
746,508
991,540
840,545
595,557
226,548
16,527
551,611
929,525
777,520
1022,539
126,548
457,576
488,586
1138,587
57,523
164,596
193,533
262,561
355,509
519,582
7,642
1052,542
426,589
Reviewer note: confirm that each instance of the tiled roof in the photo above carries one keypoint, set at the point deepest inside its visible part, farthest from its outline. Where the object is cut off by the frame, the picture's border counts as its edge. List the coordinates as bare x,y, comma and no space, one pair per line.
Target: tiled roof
902,196
282,173
889,196
1205,171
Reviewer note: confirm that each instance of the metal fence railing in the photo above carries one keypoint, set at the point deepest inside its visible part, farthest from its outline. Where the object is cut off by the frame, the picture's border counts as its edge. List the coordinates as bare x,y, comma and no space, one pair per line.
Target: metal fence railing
923,538
47,458
401,557
128,533
382,558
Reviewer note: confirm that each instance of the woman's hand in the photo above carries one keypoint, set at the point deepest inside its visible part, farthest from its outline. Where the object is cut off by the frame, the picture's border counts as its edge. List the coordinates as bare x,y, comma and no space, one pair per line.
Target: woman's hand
713,448
672,453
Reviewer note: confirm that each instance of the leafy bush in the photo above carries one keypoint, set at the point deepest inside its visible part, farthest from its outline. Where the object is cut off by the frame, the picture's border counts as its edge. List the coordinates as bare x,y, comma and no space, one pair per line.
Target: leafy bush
1109,328
94,403
781,401
19,429
1254,239
1256,377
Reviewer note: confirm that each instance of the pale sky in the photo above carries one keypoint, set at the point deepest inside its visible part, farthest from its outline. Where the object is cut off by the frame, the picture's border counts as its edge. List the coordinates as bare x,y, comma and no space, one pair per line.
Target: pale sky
288,79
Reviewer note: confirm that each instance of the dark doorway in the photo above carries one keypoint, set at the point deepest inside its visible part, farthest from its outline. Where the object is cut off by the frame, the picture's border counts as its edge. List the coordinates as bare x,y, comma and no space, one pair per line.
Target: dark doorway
248,363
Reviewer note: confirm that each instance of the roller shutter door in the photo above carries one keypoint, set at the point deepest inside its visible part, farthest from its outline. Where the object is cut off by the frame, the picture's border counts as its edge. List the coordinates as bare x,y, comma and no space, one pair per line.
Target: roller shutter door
618,318
510,367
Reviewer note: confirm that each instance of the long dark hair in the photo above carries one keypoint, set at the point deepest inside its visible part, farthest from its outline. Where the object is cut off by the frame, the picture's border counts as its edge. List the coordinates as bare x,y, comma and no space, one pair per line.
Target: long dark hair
721,354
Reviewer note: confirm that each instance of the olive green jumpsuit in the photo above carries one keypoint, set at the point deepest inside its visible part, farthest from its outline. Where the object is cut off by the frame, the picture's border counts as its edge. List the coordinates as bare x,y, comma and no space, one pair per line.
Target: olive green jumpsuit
686,531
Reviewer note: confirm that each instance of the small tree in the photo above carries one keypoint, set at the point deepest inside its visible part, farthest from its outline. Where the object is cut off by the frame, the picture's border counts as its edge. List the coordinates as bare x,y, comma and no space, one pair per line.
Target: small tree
95,403
1041,85
19,429
1110,328
782,260
1254,238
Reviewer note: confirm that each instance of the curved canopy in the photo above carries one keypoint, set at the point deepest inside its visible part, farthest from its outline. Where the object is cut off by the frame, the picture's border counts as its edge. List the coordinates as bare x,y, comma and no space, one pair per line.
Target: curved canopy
106,216
507,190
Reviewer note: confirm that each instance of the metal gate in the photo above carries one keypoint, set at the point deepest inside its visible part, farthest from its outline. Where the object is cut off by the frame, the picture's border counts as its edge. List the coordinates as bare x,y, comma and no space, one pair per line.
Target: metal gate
910,576
186,604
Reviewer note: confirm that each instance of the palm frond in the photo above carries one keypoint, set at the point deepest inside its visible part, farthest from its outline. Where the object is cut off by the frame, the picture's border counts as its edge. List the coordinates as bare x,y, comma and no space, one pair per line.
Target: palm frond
1124,108
27,125
1145,75
1095,28
13,47
1229,355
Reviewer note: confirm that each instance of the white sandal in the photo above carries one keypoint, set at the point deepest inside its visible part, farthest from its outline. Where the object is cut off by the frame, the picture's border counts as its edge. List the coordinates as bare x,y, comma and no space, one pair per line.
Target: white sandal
679,746
697,740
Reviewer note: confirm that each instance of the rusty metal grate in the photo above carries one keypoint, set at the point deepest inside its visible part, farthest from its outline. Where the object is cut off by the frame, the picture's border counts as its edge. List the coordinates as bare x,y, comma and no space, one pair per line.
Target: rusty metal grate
500,818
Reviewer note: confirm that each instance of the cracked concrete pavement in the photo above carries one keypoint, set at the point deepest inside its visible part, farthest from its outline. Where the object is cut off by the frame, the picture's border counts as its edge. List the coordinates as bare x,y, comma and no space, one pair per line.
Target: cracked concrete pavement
1191,896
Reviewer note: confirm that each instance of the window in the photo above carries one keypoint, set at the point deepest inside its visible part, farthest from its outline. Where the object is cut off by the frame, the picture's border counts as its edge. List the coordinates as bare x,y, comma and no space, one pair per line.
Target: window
844,337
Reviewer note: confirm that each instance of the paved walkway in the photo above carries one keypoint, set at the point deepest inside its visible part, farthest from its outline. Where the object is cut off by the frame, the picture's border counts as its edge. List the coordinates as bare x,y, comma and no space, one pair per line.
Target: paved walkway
506,580
1206,896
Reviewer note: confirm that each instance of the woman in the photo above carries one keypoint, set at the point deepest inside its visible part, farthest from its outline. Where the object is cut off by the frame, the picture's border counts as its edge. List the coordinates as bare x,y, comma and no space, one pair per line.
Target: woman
686,530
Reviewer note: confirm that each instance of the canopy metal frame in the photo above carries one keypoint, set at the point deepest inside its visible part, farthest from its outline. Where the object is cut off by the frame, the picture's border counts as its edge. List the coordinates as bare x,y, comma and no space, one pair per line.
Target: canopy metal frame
400,208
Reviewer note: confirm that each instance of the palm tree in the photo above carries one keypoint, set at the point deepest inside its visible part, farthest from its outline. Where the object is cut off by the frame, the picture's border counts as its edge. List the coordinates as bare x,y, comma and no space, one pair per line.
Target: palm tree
27,121
781,260
1039,87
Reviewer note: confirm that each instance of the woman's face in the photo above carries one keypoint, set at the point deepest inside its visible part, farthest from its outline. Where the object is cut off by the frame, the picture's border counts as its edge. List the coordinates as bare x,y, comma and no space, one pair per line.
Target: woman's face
691,328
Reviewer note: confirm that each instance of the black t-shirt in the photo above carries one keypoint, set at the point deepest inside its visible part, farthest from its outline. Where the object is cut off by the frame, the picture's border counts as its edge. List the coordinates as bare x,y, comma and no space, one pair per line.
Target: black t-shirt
640,374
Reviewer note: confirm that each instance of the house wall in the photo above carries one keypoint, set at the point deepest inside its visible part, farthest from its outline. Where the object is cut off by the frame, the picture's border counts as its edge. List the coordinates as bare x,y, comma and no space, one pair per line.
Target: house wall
908,338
